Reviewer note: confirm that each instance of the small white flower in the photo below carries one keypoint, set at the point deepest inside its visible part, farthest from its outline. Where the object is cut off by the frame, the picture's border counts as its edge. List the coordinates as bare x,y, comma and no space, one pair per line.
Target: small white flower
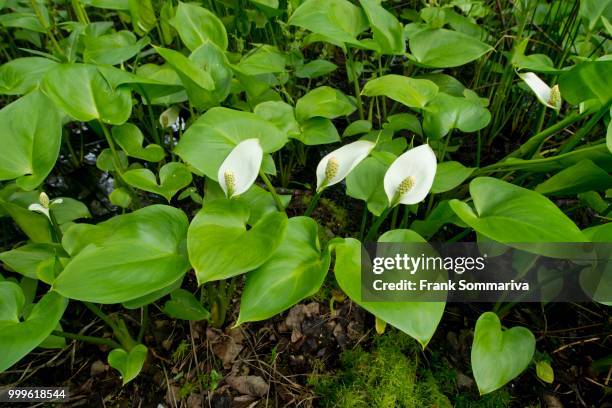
334,167
44,204
548,96
240,168
169,117
410,176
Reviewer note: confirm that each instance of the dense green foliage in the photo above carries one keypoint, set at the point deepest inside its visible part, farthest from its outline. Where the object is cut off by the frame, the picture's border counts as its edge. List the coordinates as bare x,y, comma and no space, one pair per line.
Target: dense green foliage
445,120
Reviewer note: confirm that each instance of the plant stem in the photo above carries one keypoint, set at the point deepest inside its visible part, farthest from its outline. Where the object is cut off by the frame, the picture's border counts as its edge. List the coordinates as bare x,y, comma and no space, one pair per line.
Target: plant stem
374,229
584,130
313,203
88,339
111,145
364,220
103,316
277,200
143,323
350,65
394,217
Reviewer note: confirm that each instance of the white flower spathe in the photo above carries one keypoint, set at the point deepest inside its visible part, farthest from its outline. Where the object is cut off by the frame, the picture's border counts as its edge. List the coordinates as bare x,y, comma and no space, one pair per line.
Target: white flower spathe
410,177
548,96
335,166
240,168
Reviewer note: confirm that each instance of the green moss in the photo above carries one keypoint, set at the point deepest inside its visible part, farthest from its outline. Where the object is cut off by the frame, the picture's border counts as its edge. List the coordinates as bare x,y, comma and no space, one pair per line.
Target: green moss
387,376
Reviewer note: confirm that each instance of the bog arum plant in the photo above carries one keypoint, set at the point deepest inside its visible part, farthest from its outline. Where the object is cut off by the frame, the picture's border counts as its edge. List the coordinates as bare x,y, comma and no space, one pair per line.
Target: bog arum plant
410,177
548,96
240,168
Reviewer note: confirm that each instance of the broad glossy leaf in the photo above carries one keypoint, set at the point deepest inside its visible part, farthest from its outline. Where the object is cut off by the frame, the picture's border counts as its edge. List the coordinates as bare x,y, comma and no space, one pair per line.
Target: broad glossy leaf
449,175
209,140
85,94
35,225
183,305
581,177
211,59
317,131
112,49
281,114
338,20
130,139
21,75
197,25
19,338
365,182
125,257
511,214
315,69
27,258
143,15
172,178
127,363
587,80
325,102
442,48
66,209
358,127
295,271
194,78
259,201
414,93
498,356
388,32
445,112
262,60
31,137
417,319
220,246
153,296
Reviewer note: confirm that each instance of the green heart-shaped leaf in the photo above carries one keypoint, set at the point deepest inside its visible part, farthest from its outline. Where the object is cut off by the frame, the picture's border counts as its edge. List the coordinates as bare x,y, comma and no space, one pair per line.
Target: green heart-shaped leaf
126,257
183,305
449,175
414,93
512,214
442,48
84,93
445,112
19,76
18,338
197,25
388,32
220,246
130,139
325,102
295,271
212,137
128,364
31,137
112,49
339,21
172,177
499,355
417,319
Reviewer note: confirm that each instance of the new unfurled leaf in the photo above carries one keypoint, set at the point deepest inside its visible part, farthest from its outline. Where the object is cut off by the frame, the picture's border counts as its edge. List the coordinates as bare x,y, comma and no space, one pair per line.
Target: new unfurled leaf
499,355
127,363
